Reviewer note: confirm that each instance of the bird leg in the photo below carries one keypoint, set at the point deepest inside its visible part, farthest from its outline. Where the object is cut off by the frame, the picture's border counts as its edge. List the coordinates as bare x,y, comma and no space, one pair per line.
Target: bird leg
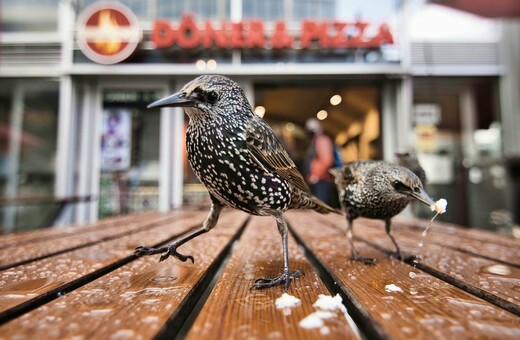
354,254
171,249
388,229
286,276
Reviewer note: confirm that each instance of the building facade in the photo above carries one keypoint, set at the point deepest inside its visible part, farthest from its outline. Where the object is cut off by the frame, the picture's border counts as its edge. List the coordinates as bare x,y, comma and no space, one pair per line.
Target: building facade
76,77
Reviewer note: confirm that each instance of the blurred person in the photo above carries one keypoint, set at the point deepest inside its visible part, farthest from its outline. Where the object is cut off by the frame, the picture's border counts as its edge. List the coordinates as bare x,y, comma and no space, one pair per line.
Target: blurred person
319,159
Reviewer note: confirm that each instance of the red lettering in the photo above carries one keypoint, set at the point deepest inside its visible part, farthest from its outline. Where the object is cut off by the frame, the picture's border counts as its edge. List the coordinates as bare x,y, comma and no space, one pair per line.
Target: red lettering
280,37
163,34
311,31
359,39
237,36
339,39
384,36
188,33
256,36
325,40
212,37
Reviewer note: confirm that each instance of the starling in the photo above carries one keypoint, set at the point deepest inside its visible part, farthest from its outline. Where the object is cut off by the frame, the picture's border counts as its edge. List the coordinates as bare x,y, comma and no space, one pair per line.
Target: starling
241,162
408,159
379,190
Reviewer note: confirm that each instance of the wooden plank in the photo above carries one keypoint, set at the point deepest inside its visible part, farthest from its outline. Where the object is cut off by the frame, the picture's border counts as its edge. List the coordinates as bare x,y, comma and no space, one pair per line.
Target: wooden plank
480,243
494,281
135,300
11,257
424,306
232,311
26,237
27,282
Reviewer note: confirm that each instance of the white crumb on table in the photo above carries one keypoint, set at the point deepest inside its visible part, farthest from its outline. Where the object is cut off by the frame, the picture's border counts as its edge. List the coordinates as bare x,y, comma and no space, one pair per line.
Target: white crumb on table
286,302
327,302
315,320
392,288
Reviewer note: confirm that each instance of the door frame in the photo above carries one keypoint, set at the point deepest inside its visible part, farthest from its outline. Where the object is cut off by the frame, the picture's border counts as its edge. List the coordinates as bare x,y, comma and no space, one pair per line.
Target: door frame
89,167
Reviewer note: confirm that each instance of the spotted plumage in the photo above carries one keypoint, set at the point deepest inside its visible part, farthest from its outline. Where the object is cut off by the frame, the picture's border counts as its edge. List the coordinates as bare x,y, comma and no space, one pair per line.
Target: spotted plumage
378,190
239,159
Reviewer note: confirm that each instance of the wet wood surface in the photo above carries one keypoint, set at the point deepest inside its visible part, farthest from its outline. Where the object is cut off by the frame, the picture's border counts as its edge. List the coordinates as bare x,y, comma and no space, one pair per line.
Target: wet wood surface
245,313
84,282
399,298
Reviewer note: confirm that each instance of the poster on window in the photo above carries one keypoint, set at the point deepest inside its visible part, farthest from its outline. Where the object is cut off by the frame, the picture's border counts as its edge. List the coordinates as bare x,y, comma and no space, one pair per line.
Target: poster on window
116,140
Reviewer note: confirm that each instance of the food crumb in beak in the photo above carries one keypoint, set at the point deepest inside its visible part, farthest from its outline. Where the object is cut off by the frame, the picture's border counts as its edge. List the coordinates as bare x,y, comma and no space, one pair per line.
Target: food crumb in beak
440,206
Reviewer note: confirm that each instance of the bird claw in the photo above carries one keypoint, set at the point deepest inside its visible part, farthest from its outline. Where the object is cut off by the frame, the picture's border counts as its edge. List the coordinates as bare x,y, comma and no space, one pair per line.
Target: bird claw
284,278
365,260
168,251
397,255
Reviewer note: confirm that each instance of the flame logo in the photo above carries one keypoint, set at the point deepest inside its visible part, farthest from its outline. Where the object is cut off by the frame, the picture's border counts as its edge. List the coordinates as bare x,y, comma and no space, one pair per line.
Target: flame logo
108,32
110,41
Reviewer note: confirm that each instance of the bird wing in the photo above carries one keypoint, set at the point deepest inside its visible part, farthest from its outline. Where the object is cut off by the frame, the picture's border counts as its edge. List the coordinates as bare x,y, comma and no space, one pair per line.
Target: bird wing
270,154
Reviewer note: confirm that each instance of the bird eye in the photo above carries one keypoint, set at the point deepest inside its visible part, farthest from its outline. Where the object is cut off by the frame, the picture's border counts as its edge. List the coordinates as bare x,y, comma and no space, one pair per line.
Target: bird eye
212,97
399,186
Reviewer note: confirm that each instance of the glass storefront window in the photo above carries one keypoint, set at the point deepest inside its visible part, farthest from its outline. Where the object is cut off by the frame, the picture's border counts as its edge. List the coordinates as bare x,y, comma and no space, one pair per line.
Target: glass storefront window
29,15
129,152
28,132
174,10
268,10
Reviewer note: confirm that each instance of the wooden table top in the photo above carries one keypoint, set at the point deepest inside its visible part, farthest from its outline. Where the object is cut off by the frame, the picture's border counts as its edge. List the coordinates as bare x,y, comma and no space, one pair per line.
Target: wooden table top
84,282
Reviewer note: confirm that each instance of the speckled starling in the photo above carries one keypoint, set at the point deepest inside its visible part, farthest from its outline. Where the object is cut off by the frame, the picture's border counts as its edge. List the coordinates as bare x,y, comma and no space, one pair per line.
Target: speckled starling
241,162
378,190
408,159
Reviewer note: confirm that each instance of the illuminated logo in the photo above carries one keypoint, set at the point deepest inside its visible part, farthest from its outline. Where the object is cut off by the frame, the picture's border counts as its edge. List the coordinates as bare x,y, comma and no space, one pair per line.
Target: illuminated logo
108,32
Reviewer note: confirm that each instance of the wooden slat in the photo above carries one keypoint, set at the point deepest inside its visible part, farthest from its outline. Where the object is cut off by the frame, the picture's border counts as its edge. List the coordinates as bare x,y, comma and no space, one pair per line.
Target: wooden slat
444,228
232,311
491,280
26,237
426,306
478,242
21,254
135,300
26,282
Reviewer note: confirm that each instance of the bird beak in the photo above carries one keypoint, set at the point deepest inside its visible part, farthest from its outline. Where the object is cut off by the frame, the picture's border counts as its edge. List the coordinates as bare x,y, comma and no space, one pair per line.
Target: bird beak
423,197
178,99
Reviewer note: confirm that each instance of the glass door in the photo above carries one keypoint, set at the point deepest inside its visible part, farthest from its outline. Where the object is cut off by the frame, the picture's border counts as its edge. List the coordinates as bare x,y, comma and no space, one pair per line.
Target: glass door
129,152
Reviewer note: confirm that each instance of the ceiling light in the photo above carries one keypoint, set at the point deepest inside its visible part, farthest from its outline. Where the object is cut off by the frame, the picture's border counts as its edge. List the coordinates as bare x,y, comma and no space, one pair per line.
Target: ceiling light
200,64
321,115
212,64
289,126
260,111
335,99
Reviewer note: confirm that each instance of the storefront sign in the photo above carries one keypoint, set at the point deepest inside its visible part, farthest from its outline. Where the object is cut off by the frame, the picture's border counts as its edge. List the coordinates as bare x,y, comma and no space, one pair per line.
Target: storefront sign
108,32
189,34
427,114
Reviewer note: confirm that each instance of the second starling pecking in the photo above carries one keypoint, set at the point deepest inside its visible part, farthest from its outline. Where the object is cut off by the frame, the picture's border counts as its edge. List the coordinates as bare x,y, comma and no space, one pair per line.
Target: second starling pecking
241,162
378,190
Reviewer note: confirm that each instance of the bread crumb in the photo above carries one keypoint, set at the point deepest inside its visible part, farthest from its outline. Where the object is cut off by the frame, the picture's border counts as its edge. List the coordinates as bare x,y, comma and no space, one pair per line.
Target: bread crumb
315,320
287,301
393,288
327,302
440,206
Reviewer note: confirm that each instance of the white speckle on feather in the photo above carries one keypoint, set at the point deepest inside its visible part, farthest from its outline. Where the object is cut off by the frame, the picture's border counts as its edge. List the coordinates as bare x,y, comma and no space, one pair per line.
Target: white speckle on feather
392,288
